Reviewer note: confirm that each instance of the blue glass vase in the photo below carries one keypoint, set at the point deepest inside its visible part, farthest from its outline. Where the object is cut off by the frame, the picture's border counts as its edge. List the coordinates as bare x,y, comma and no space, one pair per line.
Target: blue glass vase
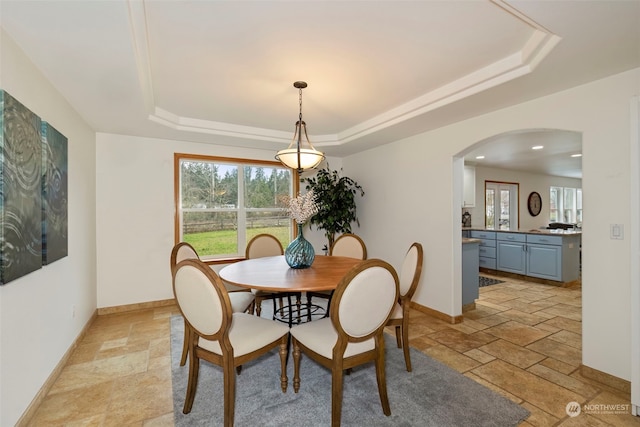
299,253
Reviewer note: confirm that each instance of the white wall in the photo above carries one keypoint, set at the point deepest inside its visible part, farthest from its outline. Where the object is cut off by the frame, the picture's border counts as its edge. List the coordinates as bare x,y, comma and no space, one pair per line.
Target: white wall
135,214
528,182
413,196
416,197
37,322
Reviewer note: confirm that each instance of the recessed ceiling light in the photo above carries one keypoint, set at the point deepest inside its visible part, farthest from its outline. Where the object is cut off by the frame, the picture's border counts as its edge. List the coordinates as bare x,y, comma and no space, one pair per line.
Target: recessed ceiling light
479,157
537,147
577,155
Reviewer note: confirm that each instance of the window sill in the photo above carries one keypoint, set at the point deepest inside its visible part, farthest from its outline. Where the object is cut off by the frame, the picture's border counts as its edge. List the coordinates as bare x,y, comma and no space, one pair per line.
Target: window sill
219,261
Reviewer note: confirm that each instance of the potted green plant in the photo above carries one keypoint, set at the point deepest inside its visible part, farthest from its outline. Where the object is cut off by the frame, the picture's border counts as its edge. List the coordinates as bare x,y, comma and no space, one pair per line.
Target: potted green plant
336,198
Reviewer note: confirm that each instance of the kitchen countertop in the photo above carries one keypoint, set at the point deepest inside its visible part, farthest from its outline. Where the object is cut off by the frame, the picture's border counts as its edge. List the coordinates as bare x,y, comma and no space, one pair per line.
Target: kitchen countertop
468,240
559,231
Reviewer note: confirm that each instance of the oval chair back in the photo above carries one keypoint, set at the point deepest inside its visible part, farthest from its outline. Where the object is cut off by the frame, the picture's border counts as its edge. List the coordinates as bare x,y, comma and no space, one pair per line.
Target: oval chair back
349,245
409,279
182,251
259,246
363,300
411,271
202,299
263,245
240,301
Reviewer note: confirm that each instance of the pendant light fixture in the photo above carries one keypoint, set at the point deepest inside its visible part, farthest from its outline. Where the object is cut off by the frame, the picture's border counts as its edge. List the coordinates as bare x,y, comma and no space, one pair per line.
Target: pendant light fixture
300,155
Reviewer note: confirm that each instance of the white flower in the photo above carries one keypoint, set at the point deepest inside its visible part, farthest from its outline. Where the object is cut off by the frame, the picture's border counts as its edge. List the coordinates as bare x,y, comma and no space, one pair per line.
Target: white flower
301,208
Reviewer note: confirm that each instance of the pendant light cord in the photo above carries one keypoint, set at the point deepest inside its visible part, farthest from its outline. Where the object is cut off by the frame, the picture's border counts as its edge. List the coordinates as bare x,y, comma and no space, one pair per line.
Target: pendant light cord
300,99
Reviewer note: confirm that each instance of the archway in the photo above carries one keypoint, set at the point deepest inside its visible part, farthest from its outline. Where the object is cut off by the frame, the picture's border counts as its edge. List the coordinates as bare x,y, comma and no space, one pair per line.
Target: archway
509,157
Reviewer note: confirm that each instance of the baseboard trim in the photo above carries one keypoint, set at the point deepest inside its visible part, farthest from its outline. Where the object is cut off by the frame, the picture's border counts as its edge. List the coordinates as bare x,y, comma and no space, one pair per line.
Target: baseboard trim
468,307
571,284
606,379
48,384
437,314
137,306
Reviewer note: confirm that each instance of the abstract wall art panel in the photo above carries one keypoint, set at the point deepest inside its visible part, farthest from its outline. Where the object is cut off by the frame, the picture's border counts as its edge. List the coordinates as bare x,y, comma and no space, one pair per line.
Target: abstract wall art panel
54,194
20,190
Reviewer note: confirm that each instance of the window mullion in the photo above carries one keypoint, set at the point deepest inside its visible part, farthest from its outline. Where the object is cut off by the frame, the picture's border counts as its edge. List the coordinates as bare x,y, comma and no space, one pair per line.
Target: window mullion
242,211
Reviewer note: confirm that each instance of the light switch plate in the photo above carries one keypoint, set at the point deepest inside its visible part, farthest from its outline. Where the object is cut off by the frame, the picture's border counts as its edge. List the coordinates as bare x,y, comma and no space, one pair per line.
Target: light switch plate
617,231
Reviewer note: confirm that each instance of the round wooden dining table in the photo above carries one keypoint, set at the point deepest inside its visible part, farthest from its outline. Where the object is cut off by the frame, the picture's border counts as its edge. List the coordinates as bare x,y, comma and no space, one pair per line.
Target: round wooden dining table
274,274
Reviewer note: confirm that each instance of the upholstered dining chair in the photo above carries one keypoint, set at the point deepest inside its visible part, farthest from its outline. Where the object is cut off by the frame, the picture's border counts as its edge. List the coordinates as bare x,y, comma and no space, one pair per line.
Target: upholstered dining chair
263,245
409,278
241,299
349,245
353,333
222,337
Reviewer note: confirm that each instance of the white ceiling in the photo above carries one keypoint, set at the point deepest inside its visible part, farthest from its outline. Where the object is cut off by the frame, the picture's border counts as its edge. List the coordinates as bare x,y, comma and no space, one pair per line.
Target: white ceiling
222,71
557,152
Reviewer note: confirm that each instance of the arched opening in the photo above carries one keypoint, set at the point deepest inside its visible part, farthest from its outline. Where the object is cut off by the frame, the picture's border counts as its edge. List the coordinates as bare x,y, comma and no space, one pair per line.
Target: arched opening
544,162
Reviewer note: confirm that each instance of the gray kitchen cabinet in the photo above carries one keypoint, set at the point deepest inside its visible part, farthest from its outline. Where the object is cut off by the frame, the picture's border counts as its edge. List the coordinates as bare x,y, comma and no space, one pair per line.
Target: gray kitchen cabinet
487,249
544,255
511,253
553,257
470,289
544,261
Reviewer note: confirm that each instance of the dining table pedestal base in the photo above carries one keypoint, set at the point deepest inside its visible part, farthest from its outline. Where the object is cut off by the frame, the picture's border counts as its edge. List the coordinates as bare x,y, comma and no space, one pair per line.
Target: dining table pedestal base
295,313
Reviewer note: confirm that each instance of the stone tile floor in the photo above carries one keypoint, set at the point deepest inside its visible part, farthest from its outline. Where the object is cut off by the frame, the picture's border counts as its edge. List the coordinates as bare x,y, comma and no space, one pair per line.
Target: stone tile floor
523,341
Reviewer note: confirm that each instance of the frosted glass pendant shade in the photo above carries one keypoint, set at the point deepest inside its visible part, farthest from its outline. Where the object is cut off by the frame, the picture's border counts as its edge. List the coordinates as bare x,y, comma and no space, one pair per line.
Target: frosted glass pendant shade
300,155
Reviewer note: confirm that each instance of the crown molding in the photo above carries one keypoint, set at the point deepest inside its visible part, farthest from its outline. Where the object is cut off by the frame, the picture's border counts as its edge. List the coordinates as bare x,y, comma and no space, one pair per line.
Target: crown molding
523,62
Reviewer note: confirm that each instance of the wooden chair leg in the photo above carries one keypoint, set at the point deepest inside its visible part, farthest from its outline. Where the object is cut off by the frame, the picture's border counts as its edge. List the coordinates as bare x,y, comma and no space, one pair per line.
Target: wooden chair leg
296,365
258,302
405,343
185,344
192,382
284,381
336,393
381,376
398,336
229,391
326,314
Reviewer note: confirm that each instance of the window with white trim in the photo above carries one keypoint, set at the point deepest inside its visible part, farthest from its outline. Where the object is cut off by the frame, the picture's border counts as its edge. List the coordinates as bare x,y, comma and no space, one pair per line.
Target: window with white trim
565,205
221,203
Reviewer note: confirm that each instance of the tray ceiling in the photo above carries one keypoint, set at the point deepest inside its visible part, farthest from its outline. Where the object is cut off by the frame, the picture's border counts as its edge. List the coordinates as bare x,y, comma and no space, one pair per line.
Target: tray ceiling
222,71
